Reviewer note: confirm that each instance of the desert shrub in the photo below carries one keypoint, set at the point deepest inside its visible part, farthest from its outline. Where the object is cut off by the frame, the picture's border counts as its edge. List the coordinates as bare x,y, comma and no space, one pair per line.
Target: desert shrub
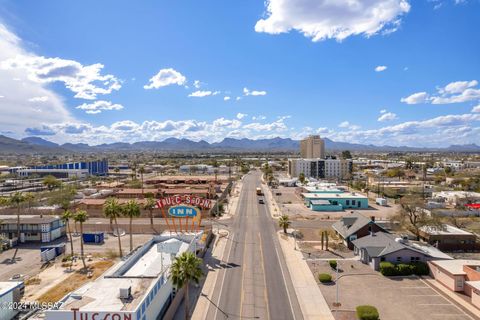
333,264
367,313
387,269
324,278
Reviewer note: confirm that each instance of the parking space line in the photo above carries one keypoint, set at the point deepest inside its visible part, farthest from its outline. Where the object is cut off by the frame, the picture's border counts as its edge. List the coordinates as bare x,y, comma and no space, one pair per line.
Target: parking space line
434,304
423,295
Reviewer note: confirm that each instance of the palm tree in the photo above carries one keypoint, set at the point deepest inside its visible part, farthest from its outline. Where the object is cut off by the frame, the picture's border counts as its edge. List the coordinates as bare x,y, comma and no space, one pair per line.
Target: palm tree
186,268
113,210
81,216
67,215
131,210
141,170
284,222
150,205
17,200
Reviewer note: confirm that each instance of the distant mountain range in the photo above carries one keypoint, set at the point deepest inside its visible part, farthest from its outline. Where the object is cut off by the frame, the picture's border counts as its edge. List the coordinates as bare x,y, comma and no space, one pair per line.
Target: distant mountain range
32,145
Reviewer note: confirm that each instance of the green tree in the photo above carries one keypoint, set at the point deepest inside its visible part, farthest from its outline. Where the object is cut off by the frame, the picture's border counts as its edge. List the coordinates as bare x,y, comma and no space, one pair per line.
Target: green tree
284,222
81,216
186,268
301,178
412,214
131,210
346,154
113,210
150,204
51,182
67,215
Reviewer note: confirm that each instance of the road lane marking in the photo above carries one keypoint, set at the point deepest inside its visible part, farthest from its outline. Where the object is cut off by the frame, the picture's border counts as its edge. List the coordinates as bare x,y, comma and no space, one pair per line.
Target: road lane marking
244,267
223,278
264,277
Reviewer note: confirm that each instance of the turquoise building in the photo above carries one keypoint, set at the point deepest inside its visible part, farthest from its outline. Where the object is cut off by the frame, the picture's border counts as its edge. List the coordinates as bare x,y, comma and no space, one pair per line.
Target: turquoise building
335,201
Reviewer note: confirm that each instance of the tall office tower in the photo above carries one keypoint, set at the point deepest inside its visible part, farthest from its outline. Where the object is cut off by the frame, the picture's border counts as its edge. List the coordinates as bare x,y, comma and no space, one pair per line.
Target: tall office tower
312,147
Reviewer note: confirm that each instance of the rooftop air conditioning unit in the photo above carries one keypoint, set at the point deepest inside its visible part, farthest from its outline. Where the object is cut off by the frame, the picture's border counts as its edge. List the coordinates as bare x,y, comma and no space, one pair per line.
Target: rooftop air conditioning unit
125,293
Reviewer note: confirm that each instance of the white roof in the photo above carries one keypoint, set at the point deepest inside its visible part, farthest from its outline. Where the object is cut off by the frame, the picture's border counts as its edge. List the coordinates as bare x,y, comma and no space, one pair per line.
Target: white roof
455,266
346,195
474,284
6,286
445,230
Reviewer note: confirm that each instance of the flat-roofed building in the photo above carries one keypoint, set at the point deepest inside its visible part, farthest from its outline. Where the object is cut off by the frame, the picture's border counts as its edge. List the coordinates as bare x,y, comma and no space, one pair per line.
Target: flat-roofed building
32,228
312,147
138,288
11,293
335,201
320,168
448,238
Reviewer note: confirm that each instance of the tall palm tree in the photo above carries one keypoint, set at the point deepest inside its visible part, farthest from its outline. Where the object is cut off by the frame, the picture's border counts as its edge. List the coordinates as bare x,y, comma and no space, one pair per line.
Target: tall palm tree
186,268
131,210
141,170
67,215
284,222
17,200
81,216
113,210
150,205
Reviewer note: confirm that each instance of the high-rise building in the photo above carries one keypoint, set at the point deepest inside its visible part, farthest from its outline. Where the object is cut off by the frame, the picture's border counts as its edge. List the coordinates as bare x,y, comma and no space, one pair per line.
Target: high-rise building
320,168
312,147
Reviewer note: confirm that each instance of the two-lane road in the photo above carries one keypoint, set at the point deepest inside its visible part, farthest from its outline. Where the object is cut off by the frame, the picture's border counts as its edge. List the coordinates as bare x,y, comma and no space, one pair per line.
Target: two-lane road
256,285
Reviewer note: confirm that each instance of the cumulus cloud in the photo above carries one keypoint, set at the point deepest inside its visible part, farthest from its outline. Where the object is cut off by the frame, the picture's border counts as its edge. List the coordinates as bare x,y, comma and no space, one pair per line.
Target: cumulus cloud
99,106
166,77
346,124
454,92
85,81
386,116
203,93
226,98
476,109
416,98
41,131
247,92
196,84
326,19
380,68
16,87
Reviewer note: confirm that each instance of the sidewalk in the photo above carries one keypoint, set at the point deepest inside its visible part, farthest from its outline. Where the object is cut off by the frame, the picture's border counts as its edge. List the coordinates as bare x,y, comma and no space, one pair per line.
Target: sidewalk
310,298
202,305
233,201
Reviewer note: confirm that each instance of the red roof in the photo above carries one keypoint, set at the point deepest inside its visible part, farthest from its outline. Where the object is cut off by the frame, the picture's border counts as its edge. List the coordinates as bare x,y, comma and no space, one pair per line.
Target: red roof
473,205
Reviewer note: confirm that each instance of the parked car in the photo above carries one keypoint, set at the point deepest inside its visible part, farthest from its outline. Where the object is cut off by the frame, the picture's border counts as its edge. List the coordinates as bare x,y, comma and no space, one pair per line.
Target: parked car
261,201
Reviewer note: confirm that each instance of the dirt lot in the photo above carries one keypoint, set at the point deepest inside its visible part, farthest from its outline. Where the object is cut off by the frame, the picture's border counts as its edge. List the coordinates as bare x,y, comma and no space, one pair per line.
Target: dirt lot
396,298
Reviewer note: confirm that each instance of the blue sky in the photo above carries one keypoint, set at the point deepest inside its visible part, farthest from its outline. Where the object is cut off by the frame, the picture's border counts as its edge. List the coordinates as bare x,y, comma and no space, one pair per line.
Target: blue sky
393,72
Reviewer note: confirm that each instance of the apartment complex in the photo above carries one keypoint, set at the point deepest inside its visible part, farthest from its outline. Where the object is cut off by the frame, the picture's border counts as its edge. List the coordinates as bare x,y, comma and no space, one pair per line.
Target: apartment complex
320,168
312,147
80,169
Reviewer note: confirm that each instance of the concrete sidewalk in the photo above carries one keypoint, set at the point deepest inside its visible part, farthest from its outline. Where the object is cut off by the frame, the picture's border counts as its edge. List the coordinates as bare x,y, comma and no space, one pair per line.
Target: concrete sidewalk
202,305
308,293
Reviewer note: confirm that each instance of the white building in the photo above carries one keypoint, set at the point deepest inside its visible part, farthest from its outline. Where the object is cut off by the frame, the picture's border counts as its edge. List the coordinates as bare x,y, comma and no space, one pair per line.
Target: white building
320,168
10,292
456,197
138,288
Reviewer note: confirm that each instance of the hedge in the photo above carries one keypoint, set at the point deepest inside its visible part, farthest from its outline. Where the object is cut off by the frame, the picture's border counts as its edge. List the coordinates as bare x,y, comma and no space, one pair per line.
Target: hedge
403,269
333,264
367,313
324,277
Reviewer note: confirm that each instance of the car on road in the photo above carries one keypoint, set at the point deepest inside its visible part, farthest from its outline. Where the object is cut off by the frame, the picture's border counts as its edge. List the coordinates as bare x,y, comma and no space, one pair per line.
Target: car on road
261,201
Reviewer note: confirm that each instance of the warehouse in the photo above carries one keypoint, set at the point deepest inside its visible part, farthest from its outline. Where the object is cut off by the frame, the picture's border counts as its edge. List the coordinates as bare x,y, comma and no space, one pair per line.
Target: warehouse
138,288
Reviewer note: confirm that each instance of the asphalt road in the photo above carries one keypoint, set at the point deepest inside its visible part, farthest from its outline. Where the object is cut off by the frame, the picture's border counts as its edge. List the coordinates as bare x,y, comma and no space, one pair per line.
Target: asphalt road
256,283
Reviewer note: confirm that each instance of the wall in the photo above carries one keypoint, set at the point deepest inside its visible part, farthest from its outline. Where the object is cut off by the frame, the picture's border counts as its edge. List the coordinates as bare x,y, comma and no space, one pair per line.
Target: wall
476,298
405,254
6,313
471,273
442,276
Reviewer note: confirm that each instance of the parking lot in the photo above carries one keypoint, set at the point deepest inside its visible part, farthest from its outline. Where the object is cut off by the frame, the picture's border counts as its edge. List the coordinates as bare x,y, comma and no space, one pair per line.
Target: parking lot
395,298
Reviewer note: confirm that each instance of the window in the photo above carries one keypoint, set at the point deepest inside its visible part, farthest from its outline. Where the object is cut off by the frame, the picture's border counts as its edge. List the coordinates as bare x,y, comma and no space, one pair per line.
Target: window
382,259
347,202
353,202
399,259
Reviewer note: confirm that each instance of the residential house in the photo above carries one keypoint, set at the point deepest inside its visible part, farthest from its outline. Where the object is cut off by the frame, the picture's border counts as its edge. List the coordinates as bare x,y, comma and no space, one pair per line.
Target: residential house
355,226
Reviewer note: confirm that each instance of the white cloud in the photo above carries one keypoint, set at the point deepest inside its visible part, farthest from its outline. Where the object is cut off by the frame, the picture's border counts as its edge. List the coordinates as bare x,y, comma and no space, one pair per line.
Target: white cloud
260,117
454,92
166,77
419,97
39,99
380,68
226,98
238,98
327,19
476,109
99,106
247,92
387,116
241,115
196,84
383,111
203,93
85,81
16,112
346,124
